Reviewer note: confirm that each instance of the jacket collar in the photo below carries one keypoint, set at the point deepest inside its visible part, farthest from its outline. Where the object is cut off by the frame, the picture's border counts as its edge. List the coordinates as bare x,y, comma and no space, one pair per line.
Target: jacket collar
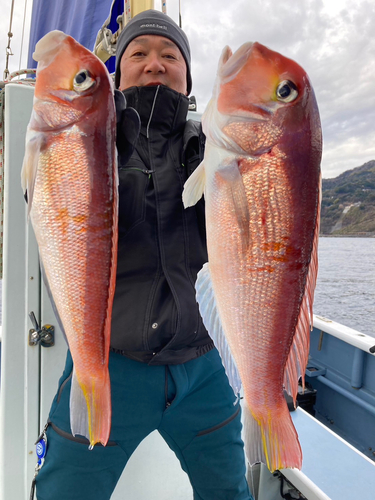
160,108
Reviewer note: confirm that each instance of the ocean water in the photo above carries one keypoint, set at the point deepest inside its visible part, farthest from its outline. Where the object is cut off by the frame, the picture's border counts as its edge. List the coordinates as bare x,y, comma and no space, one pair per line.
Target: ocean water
345,289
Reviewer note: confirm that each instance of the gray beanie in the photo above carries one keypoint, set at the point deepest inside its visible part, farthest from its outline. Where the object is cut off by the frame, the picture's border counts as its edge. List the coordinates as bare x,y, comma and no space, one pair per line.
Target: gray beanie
153,22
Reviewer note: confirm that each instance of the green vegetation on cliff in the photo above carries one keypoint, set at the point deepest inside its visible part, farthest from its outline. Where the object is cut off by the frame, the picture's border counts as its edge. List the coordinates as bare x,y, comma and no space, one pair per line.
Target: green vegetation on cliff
348,202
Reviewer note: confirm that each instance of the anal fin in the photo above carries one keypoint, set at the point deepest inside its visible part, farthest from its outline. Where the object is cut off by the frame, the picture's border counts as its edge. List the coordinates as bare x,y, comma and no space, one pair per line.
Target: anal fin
211,319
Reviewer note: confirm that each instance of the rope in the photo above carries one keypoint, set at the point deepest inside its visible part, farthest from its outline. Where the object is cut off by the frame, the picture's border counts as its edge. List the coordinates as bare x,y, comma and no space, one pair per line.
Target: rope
27,81
128,11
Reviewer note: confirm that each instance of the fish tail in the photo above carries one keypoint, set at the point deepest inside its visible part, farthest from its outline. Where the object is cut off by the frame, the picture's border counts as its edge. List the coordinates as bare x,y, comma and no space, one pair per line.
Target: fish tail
90,407
272,441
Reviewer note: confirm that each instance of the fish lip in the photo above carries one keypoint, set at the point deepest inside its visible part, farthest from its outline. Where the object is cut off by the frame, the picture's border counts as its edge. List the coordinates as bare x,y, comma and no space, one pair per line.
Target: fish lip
263,110
68,96
255,112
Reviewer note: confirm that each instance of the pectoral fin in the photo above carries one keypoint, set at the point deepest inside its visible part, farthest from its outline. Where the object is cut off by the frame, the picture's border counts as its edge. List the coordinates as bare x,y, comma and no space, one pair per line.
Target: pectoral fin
194,187
231,174
34,142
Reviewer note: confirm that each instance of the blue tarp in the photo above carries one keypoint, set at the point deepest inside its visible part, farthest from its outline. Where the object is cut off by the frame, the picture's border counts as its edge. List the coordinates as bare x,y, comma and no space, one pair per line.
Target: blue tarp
80,19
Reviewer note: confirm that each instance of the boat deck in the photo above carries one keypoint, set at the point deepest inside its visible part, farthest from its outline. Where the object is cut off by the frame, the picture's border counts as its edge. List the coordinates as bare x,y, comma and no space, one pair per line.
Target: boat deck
332,469
331,464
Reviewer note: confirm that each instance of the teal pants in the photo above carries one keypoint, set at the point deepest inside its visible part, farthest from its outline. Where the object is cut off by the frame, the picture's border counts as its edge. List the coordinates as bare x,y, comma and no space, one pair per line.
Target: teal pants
192,407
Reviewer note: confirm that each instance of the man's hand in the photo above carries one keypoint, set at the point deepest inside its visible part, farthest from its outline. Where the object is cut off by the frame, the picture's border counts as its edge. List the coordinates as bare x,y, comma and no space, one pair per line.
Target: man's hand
128,127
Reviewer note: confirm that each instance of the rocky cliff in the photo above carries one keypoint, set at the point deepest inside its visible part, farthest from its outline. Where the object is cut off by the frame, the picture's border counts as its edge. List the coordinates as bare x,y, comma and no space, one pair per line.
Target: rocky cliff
348,203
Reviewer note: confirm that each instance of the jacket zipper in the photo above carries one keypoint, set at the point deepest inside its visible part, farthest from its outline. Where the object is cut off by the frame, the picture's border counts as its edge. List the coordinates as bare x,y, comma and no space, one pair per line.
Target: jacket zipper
143,170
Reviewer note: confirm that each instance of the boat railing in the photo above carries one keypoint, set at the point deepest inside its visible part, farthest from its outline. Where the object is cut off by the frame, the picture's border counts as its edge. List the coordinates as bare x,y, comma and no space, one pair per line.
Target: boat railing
346,334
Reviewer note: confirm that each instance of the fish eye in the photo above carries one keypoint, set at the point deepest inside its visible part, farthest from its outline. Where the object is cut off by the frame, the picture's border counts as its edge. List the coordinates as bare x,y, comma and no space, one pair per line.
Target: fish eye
83,81
286,91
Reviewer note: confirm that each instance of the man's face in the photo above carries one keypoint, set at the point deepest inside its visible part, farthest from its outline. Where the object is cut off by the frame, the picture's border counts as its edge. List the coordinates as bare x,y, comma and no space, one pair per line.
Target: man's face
153,60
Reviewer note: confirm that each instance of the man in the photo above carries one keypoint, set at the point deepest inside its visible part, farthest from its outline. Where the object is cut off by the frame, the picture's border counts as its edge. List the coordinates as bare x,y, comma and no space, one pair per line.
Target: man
165,372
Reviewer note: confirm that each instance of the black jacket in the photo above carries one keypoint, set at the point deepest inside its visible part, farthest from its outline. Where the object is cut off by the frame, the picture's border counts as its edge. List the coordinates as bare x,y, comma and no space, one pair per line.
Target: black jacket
162,246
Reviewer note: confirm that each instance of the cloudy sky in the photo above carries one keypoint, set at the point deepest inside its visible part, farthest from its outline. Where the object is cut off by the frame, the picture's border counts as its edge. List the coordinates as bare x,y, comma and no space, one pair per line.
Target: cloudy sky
333,40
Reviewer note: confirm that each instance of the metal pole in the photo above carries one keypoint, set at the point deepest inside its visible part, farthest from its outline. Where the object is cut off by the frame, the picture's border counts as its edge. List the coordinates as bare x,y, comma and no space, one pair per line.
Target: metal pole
23,33
357,369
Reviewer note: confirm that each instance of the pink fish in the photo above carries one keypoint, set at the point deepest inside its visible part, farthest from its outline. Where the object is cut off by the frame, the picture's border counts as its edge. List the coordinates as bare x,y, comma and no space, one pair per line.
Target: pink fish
70,175
261,181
